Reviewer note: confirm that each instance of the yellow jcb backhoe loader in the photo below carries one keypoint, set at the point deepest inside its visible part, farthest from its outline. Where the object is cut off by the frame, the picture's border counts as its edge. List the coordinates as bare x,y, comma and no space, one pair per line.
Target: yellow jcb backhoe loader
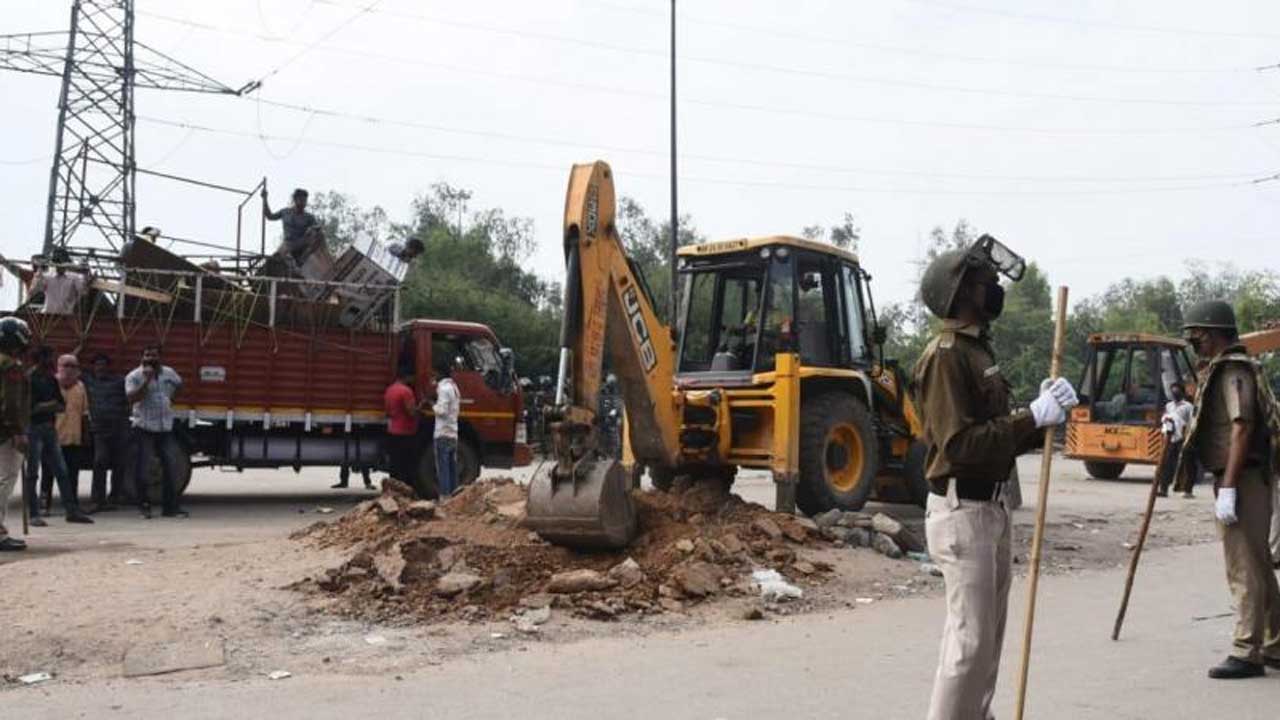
775,367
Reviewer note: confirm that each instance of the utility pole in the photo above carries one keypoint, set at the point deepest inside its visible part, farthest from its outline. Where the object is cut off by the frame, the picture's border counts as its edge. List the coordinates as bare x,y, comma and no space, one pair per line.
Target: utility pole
672,316
92,180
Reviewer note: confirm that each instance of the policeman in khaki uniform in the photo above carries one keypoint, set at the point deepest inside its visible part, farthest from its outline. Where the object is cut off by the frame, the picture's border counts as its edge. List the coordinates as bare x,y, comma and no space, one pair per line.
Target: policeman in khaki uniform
15,410
973,441
1234,434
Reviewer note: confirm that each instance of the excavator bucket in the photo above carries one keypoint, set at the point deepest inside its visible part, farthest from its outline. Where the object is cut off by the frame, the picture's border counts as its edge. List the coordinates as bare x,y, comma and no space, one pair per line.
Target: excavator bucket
590,509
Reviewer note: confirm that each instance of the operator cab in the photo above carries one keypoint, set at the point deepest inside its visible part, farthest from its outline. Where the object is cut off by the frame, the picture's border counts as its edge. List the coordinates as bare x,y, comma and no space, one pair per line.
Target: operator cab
743,301
1127,377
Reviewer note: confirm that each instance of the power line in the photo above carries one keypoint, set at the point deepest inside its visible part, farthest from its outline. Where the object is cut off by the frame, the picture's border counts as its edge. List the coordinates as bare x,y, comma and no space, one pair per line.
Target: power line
1104,24
767,109
774,32
361,12
405,152
807,72
843,169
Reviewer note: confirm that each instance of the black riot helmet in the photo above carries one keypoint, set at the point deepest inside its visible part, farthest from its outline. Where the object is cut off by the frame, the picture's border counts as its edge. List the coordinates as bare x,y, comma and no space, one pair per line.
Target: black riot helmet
1216,314
947,274
15,336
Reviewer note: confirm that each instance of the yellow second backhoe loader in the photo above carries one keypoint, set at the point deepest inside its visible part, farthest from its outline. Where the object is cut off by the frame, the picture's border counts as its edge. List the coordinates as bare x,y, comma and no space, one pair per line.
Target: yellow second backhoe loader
777,366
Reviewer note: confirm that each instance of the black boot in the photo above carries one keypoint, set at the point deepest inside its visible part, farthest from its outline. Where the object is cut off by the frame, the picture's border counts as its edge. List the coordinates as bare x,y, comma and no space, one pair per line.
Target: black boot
1233,668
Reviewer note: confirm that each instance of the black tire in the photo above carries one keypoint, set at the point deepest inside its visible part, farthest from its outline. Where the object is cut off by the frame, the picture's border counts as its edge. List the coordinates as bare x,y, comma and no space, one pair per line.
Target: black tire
913,467
468,469
838,454
1101,470
153,478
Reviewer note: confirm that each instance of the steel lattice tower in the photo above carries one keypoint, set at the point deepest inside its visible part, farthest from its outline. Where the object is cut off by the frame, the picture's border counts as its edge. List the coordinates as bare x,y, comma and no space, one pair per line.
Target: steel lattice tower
91,183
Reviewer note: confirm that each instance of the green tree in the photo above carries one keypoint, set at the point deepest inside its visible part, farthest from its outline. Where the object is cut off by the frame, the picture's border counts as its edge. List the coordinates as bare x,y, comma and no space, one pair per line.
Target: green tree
648,245
346,223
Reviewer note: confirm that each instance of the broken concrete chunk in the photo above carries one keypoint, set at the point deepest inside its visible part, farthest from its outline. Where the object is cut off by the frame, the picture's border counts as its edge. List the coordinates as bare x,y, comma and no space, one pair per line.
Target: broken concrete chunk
387,505
732,543
456,583
627,573
421,510
885,545
795,532
855,520
390,567
685,546
804,567
828,518
768,528
894,528
576,581
697,578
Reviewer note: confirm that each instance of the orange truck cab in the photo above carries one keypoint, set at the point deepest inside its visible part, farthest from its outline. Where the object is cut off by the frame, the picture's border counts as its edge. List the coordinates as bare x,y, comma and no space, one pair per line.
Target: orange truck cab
1123,394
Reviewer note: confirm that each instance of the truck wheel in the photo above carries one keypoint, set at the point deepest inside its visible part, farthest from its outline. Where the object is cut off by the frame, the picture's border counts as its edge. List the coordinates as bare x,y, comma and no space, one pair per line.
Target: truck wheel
838,456
1102,470
913,469
153,477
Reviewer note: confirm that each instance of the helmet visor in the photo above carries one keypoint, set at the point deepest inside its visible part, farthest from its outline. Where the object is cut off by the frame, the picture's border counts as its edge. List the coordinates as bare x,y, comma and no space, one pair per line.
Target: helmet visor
1005,261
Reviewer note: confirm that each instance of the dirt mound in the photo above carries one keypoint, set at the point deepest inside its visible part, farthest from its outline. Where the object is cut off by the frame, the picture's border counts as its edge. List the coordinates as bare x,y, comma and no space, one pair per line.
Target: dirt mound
471,557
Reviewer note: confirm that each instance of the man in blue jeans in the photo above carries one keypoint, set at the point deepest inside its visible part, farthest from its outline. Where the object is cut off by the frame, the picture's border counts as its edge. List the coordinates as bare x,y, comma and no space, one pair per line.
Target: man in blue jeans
42,440
150,387
448,401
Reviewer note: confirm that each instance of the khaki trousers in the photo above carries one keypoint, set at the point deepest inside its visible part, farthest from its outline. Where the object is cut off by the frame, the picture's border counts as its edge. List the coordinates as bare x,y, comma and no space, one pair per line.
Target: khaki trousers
1249,573
10,470
970,541
1275,519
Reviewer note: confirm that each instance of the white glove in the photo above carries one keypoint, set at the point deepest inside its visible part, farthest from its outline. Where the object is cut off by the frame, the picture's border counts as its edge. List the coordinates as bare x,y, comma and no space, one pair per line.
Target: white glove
1062,391
1046,410
1225,506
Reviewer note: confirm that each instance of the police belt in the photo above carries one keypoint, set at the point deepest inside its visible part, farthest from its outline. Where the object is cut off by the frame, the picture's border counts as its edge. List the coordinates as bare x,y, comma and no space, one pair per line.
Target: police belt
968,488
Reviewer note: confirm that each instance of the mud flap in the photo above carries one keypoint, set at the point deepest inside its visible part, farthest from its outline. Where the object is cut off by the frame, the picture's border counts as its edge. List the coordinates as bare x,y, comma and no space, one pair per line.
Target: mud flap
589,509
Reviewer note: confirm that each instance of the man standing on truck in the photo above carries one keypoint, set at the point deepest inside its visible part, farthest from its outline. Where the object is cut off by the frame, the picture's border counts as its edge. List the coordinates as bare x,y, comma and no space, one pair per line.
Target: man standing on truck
109,423
446,407
300,227
15,412
151,387
1236,423
973,441
62,290
42,435
402,428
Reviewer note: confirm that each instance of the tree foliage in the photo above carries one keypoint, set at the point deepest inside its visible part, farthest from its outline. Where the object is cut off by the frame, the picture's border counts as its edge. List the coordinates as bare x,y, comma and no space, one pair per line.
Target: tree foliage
648,243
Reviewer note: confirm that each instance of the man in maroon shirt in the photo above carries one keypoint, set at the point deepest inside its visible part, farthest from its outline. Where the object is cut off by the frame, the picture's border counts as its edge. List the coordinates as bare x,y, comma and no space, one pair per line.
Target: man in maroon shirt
402,428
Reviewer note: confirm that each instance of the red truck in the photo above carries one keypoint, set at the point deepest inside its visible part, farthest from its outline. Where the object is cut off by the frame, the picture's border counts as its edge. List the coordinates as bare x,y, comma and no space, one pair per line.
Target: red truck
279,381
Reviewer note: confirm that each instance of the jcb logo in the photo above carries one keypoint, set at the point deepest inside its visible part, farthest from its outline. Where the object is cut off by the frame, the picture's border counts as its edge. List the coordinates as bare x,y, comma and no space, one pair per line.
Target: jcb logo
593,210
639,332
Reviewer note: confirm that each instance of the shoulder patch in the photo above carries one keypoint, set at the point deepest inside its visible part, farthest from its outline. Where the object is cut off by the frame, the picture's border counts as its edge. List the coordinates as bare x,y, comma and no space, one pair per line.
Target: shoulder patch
947,340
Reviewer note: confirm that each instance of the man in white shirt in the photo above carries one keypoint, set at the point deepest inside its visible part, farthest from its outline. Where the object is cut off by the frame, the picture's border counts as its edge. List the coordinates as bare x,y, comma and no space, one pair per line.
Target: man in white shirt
446,407
62,290
1175,423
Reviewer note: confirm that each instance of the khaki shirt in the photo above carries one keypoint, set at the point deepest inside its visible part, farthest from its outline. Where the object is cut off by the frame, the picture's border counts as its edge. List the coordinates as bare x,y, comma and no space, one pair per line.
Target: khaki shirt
70,422
965,408
1231,399
15,398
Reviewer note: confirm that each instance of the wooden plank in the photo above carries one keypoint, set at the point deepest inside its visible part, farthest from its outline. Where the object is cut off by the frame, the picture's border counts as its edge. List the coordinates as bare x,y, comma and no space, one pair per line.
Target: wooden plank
116,287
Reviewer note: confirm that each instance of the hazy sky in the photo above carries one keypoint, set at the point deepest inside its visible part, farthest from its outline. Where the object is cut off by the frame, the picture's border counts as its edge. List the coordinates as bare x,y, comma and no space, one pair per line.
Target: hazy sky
1101,139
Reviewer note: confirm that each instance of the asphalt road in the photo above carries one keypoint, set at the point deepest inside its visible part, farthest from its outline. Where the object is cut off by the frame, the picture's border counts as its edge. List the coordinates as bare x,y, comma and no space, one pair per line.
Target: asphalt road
875,661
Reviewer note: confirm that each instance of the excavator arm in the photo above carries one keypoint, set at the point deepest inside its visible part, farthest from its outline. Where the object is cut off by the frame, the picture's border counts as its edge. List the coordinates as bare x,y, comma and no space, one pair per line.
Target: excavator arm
585,500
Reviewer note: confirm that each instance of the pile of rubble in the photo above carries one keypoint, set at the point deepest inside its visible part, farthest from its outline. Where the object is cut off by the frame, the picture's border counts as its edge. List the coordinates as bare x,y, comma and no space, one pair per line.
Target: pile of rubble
471,558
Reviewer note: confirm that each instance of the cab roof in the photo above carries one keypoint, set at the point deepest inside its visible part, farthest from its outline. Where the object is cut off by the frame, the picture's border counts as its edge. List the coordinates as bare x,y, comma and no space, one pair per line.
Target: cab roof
725,247
1135,339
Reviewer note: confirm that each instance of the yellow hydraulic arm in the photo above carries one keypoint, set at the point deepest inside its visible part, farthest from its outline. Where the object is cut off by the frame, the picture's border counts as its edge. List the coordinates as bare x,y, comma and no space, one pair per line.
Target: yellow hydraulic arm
585,500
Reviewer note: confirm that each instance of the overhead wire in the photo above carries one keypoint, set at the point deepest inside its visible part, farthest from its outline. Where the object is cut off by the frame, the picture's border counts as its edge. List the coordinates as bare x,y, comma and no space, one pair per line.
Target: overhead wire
766,109
313,112
806,72
406,152
846,41
1087,22
360,12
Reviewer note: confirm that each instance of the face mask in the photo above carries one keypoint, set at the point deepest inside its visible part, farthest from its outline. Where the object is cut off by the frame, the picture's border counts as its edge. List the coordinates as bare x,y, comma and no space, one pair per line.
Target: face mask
993,304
